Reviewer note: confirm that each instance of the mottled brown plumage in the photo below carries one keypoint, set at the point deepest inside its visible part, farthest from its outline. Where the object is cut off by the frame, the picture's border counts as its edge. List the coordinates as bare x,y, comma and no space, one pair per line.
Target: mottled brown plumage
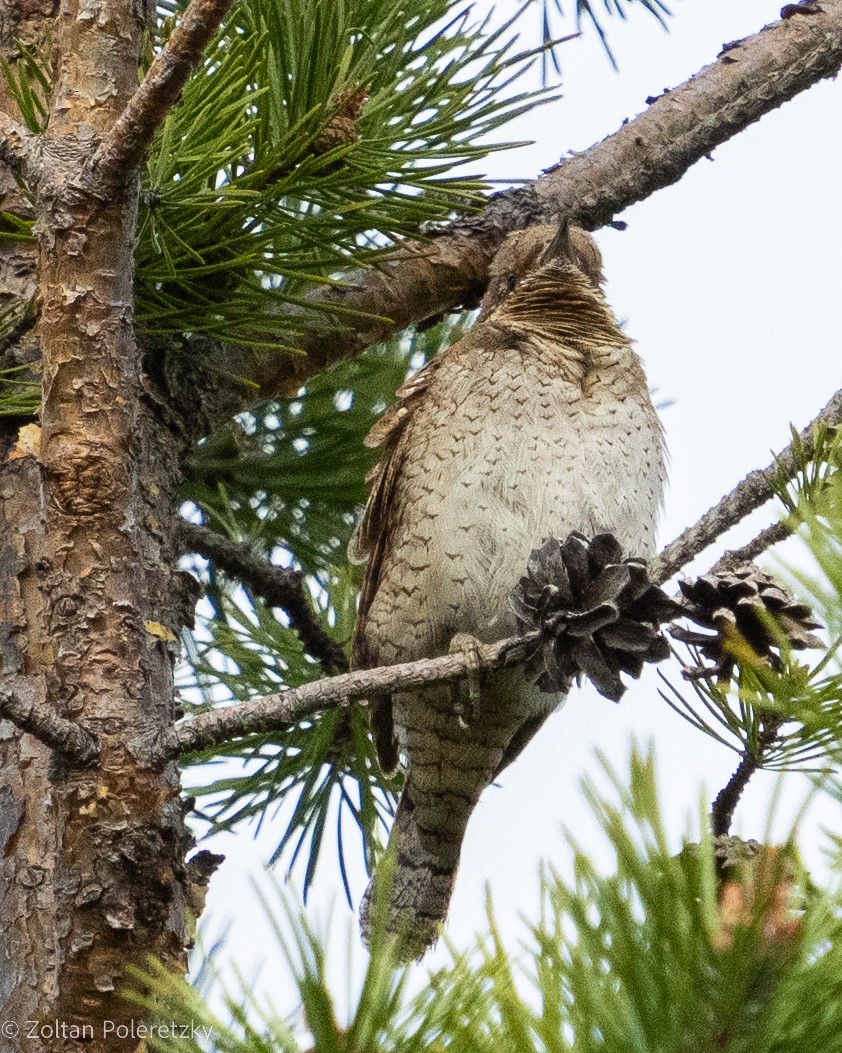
536,423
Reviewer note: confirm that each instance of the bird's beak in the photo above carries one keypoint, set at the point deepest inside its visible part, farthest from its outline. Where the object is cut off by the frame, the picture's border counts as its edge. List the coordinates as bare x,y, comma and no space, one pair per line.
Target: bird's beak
560,250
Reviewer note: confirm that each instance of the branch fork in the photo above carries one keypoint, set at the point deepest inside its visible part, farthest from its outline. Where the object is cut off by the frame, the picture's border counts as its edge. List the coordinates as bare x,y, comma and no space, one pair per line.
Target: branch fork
115,162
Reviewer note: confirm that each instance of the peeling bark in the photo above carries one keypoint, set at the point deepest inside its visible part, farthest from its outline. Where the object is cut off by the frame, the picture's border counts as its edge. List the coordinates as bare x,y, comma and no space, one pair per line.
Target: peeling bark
91,606
92,867
27,831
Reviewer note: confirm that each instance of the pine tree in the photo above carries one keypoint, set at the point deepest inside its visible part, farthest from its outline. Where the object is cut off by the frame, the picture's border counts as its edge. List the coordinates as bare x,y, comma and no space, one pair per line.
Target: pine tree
189,271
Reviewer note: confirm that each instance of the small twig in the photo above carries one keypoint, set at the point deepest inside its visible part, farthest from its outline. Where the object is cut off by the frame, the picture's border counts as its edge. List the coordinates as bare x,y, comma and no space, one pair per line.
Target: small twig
278,586
722,810
752,492
767,537
21,702
15,143
119,155
274,712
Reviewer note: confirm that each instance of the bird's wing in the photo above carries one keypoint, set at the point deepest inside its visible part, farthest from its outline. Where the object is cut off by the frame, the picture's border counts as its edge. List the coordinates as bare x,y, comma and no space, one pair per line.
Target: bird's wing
372,537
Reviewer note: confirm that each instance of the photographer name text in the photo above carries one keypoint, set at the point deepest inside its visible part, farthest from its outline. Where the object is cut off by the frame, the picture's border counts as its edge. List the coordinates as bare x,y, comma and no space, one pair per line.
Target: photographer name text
52,1029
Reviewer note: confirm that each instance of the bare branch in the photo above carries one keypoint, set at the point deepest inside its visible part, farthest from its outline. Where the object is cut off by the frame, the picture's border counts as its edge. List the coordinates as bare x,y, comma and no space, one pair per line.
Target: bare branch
274,712
21,702
722,810
278,586
15,143
750,78
119,155
752,492
767,537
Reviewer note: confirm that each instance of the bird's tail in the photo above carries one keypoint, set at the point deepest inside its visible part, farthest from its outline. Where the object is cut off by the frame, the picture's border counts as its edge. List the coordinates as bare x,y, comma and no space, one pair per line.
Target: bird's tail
410,895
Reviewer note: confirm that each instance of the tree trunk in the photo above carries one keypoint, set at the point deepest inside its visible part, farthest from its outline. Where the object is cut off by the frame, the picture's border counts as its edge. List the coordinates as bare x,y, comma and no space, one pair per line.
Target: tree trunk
93,872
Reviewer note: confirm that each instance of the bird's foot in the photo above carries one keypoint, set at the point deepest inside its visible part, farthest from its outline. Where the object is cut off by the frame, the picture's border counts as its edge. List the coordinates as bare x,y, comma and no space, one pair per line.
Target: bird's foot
469,646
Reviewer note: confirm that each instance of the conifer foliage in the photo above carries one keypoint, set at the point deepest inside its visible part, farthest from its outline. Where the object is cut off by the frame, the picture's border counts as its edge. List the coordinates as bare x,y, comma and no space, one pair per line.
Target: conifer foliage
312,139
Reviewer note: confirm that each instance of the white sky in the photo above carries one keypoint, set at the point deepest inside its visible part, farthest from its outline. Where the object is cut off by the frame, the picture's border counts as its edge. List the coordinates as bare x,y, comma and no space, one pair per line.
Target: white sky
729,284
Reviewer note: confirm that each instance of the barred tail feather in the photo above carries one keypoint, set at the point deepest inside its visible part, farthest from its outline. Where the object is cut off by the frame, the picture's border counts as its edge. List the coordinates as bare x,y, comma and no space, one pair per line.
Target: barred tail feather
424,848
410,896
450,764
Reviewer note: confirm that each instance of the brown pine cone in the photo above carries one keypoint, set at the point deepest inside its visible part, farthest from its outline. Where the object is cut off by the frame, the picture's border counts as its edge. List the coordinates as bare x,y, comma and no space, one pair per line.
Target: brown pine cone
343,115
746,604
599,613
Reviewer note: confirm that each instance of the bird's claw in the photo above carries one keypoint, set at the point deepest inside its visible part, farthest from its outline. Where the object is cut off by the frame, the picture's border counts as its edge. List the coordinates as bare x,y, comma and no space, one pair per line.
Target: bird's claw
467,645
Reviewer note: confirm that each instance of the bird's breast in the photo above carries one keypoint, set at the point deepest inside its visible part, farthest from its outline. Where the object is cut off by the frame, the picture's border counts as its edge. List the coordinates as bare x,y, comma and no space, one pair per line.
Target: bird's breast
504,455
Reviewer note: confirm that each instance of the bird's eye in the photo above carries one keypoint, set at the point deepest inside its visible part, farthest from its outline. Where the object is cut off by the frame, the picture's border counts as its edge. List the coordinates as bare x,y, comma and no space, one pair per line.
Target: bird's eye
511,282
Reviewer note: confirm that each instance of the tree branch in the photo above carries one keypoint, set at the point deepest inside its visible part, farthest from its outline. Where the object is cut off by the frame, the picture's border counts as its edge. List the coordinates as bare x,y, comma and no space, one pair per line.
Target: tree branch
273,712
767,537
122,151
750,78
722,810
21,702
753,491
277,711
15,143
278,586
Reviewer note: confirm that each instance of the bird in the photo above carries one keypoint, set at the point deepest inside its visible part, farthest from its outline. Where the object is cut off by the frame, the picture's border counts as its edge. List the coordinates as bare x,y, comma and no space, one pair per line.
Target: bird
536,423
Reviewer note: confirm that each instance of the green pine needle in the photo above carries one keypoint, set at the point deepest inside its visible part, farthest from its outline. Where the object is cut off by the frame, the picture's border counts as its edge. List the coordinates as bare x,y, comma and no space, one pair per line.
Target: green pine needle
639,958
310,138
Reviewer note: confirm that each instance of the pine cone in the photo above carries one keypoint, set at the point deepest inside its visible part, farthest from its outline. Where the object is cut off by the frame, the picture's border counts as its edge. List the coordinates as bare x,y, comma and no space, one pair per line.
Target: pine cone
340,128
599,613
740,603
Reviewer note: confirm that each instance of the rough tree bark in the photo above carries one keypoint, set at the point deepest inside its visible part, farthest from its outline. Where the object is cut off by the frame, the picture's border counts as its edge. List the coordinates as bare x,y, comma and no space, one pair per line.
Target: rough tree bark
27,857
93,854
94,871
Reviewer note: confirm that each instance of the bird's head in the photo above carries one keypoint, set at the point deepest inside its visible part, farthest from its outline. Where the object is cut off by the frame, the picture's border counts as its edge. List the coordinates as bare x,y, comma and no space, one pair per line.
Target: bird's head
527,252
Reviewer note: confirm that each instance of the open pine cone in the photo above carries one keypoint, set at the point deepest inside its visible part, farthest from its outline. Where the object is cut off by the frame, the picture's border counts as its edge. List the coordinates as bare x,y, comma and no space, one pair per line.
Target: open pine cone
599,613
741,603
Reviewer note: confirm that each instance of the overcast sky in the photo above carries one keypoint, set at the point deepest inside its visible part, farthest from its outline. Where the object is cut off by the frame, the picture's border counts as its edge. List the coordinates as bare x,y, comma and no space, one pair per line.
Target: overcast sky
729,284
